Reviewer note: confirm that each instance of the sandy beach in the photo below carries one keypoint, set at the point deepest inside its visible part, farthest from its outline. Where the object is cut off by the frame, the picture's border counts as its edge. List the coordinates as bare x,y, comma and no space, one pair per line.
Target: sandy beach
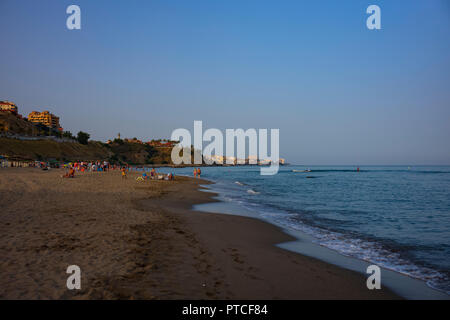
141,240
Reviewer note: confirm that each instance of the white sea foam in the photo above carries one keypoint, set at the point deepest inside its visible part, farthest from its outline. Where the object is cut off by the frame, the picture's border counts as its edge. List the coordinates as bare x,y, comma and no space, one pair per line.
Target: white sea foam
390,255
370,251
366,250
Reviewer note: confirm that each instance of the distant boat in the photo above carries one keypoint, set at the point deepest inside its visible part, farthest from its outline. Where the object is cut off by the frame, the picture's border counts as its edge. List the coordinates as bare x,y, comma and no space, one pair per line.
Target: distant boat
301,170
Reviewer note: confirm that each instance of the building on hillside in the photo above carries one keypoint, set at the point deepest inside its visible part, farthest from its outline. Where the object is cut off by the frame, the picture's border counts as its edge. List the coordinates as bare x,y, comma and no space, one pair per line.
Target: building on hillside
46,118
7,106
134,140
162,143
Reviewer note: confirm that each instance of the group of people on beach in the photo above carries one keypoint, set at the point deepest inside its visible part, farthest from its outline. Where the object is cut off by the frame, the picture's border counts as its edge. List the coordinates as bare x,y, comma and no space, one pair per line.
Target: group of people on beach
104,166
197,172
155,176
94,166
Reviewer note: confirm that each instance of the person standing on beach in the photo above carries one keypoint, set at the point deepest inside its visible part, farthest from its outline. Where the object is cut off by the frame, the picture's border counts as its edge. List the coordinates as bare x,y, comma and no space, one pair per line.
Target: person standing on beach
124,173
199,172
195,172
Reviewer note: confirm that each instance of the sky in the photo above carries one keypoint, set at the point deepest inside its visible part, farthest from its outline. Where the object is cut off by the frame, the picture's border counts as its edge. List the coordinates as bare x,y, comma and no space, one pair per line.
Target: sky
338,92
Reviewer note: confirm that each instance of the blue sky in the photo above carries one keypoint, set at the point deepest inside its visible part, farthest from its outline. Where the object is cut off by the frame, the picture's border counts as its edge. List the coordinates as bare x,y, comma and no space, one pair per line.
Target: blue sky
338,92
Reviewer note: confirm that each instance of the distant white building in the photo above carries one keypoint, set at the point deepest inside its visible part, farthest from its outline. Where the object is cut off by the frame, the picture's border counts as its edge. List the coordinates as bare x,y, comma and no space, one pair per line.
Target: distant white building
231,160
264,162
251,160
215,159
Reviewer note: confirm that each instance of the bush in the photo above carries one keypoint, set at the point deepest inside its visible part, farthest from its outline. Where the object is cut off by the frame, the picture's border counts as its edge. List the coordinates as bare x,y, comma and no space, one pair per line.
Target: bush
68,134
83,137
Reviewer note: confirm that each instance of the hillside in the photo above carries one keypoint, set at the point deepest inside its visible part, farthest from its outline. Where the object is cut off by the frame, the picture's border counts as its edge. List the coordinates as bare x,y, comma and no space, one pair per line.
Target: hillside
135,153
47,149
11,123
117,152
131,153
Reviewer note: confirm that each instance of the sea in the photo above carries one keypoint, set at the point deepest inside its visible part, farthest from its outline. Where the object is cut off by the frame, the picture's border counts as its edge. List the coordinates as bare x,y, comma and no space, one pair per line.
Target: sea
397,217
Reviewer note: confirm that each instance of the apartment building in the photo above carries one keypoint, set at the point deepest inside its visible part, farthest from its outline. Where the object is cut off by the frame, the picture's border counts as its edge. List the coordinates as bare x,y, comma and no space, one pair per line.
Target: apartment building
46,118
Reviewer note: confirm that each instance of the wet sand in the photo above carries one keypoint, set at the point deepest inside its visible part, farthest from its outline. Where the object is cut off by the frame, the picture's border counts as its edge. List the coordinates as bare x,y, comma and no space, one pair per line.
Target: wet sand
141,240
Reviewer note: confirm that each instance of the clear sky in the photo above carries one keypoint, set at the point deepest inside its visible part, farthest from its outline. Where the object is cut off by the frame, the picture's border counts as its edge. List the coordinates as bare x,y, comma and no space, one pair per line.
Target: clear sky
338,92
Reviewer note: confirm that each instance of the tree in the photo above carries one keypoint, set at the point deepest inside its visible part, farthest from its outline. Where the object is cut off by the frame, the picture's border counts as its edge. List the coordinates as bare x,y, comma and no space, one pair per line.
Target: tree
68,134
118,141
83,137
42,129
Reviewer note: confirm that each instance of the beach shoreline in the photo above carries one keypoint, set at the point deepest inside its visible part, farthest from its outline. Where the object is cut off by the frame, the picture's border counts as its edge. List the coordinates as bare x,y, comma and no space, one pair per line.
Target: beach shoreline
142,240
402,284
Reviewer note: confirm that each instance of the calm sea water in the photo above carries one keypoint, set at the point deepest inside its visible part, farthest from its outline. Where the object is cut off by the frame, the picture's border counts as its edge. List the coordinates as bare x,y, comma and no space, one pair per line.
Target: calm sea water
396,217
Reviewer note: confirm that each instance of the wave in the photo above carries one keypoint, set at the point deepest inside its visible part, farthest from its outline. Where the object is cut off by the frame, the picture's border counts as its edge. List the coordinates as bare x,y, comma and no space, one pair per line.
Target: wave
375,252
340,232
352,245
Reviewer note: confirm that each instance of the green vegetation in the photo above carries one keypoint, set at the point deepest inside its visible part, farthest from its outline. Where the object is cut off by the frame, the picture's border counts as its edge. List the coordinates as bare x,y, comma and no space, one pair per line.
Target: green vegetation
83,137
68,135
48,149
117,152
136,153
